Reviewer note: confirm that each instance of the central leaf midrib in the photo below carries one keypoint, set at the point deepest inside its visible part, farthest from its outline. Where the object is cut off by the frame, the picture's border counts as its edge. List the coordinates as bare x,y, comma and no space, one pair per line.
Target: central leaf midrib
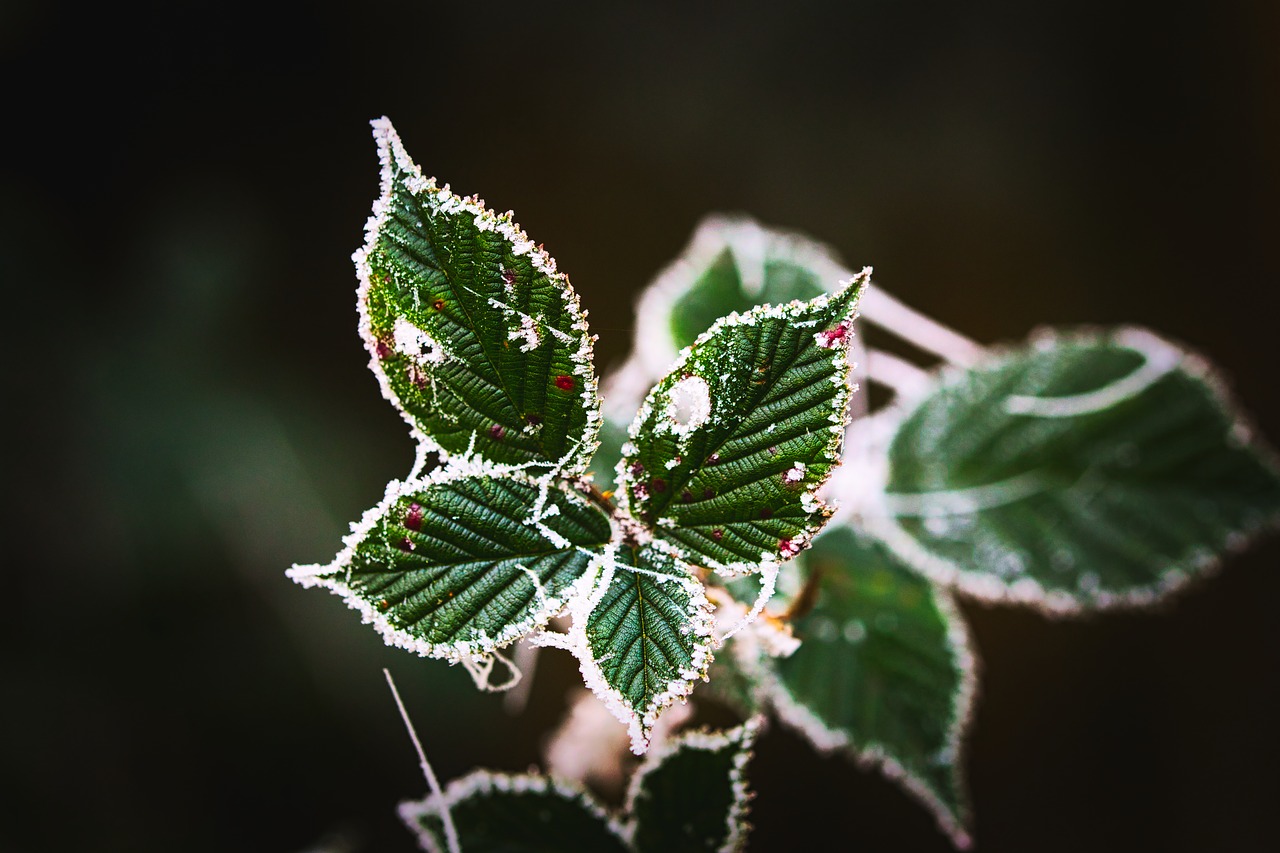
753,405
446,269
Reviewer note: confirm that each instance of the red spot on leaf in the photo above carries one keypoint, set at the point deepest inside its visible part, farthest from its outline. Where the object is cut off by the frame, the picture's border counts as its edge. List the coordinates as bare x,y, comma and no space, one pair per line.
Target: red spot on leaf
717,534
508,276
658,484
497,432
828,338
565,383
413,517
383,349
788,548
766,513
438,305
405,544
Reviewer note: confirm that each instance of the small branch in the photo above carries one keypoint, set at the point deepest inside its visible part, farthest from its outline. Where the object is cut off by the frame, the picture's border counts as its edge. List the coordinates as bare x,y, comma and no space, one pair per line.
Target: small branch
912,326
597,497
900,375
450,831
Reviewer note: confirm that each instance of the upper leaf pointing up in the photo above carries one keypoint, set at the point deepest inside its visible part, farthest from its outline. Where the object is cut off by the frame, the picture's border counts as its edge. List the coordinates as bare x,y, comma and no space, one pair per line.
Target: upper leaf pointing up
729,449
473,333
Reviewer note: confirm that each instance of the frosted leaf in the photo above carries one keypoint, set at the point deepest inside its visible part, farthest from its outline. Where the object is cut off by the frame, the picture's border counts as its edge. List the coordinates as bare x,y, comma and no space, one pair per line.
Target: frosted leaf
473,333
884,672
1083,470
455,565
729,450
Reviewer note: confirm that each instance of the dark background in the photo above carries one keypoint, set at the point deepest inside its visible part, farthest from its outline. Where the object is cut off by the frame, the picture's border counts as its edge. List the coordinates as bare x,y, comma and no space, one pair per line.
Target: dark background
182,189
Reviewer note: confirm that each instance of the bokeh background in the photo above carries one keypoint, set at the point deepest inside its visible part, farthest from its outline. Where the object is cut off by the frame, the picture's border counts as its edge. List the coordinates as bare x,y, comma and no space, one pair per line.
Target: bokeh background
189,410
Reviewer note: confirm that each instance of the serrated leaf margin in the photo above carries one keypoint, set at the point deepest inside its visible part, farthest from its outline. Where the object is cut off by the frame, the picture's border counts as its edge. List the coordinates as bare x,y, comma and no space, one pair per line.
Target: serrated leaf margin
601,571
742,736
771,692
840,418
653,349
1167,356
332,575
480,782
391,150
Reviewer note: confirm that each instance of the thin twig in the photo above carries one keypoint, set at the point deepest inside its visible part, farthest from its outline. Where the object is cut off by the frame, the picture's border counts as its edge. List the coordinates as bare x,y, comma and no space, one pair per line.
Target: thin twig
450,831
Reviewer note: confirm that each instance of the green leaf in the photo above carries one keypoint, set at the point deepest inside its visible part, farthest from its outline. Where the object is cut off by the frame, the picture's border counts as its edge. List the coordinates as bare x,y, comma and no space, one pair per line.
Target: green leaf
460,564
524,813
883,672
691,795
732,264
729,449
644,636
1083,470
471,330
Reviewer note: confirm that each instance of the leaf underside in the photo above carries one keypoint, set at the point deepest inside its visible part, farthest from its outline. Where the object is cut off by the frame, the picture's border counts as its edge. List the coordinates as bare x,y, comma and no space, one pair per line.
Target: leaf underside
515,814
728,449
649,633
461,561
693,797
481,342
1099,468
878,669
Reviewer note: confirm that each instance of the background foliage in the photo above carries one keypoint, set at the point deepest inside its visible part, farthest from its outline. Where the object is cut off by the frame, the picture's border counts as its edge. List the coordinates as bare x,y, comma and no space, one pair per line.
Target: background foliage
190,409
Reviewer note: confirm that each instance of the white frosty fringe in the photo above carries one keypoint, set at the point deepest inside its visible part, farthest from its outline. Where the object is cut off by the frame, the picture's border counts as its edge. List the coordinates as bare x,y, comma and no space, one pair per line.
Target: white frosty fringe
335,575
480,668
392,155
589,746
865,504
482,783
740,738
626,481
768,582
792,712
433,784
751,244
639,725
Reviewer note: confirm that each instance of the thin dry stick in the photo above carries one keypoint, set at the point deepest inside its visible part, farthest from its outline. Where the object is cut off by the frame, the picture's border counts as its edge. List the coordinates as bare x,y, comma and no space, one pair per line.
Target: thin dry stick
450,831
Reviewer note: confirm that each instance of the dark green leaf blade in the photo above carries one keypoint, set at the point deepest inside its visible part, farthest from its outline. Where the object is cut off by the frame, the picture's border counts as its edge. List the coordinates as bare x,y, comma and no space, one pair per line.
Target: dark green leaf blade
1085,470
644,637
503,813
729,449
473,333
884,672
731,264
691,795
460,564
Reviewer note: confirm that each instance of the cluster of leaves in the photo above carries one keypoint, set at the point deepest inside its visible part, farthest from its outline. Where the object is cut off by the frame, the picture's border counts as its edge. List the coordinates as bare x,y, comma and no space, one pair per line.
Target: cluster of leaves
479,341
1081,471
1077,472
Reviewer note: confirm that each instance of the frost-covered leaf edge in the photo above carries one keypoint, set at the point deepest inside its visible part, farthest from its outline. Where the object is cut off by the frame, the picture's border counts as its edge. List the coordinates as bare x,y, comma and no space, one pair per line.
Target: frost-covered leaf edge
330,575
773,694
986,586
810,500
653,349
701,622
742,737
391,149
480,782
